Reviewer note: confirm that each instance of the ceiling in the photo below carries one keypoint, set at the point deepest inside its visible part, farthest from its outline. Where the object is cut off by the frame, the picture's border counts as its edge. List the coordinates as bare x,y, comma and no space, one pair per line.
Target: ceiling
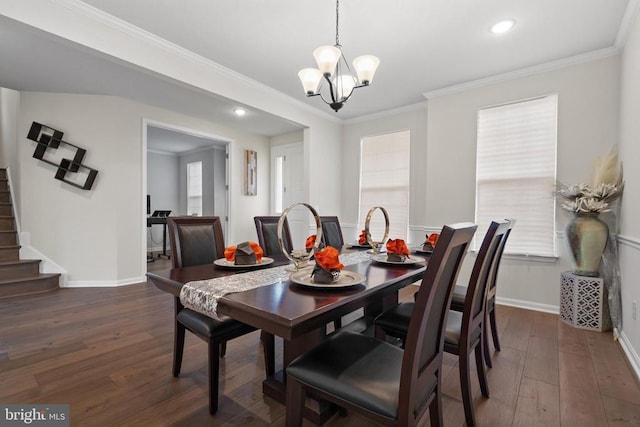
423,45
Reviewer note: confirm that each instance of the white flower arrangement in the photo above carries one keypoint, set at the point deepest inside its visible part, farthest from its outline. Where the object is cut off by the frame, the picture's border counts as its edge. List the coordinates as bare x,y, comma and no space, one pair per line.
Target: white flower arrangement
583,198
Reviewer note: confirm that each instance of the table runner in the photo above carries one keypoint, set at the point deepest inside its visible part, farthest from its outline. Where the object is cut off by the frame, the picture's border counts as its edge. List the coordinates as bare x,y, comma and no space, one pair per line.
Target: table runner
202,295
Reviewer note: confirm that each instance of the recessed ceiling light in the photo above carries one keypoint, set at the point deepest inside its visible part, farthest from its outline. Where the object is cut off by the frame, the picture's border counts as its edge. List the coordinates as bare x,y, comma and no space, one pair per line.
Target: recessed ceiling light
239,112
502,26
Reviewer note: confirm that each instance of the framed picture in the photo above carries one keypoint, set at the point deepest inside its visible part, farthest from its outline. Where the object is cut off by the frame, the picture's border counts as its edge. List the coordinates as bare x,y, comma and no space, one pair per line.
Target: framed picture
250,173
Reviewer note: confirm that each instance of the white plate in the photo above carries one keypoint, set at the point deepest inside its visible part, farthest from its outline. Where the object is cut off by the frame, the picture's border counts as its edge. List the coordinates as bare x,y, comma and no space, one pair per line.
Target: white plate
382,259
347,279
222,262
419,250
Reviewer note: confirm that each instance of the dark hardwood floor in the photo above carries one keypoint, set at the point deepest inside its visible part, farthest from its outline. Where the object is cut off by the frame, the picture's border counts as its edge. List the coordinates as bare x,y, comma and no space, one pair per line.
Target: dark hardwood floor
107,352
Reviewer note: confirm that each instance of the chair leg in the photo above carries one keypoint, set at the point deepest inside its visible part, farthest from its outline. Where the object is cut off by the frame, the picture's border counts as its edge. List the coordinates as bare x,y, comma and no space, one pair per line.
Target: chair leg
494,329
465,388
296,397
482,377
268,347
214,375
435,410
178,348
223,348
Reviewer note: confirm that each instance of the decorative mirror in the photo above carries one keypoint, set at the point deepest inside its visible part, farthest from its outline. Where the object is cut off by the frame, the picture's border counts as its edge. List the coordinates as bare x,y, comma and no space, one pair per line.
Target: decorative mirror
298,257
376,244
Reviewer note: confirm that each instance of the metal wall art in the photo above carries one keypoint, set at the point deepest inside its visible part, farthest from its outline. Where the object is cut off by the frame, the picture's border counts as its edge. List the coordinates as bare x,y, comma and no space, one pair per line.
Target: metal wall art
53,150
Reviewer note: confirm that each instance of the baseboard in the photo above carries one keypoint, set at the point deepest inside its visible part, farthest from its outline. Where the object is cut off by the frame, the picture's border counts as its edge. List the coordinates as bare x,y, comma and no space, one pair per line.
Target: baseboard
528,305
103,283
629,351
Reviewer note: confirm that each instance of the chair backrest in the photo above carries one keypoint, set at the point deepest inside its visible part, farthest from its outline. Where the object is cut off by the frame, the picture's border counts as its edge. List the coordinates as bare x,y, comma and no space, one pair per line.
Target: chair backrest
475,302
498,258
422,361
267,231
331,232
195,240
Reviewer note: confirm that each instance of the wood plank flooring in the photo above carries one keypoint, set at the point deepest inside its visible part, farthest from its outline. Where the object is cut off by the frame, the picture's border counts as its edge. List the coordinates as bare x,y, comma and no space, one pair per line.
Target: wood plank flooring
107,352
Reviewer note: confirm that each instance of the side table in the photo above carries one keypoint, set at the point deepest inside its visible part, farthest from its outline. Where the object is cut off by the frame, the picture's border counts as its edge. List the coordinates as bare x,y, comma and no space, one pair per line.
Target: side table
584,303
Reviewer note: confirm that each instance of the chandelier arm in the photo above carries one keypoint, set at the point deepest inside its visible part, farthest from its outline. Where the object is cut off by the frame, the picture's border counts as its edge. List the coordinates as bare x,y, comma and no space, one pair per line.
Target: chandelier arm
331,91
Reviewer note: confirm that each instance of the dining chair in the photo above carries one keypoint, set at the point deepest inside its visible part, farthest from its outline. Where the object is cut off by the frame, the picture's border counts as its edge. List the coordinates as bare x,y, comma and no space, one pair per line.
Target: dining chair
267,231
460,292
377,379
197,241
332,232
464,330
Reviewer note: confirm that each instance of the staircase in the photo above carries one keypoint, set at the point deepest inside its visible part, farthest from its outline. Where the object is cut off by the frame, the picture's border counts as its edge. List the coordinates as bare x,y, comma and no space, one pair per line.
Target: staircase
17,277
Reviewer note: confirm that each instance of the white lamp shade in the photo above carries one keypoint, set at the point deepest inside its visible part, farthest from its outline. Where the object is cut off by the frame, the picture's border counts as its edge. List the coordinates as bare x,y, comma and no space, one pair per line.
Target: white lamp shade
310,78
345,85
366,66
327,57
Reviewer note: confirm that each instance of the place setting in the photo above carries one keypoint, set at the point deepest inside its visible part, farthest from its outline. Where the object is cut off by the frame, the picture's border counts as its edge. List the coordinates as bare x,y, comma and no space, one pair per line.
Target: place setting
397,254
427,247
245,255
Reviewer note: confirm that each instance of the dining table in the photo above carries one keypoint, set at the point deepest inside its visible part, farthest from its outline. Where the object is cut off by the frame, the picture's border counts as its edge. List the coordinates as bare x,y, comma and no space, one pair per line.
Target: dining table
297,311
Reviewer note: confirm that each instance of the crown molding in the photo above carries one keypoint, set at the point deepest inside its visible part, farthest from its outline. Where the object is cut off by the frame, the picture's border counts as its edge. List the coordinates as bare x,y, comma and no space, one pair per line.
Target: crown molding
630,16
162,152
525,72
155,41
386,113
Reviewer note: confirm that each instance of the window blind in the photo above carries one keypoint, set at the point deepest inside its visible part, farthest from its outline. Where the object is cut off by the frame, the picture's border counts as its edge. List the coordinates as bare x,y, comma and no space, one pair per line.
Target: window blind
516,173
384,181
194,188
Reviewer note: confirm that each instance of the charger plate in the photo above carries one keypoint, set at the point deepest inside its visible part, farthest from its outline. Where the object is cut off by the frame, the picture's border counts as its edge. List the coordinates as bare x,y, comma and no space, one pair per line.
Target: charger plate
382,259
346,280
222,262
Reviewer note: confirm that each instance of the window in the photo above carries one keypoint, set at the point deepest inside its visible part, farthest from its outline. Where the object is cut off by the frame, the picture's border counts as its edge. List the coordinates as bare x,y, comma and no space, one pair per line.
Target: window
516,173
194,188
384,181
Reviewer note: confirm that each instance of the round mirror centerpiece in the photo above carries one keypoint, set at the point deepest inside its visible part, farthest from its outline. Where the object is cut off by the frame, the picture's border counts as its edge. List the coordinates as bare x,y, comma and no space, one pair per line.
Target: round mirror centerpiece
299,257
376,244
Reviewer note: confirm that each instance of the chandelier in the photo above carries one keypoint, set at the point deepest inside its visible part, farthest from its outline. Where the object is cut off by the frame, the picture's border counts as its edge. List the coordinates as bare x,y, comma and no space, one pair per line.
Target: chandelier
333,66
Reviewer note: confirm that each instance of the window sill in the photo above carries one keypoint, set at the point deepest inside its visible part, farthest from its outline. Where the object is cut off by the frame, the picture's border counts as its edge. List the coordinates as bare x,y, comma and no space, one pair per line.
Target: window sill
526,257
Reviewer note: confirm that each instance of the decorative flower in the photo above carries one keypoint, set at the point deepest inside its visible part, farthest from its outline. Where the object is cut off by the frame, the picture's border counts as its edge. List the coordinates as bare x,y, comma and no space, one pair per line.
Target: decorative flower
433,239
362,239
397,246
311,240
328,259
230,252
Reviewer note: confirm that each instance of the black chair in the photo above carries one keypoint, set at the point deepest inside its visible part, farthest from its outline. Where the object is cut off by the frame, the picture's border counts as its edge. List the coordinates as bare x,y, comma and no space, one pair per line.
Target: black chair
460,292
267,231
332,232
379,380
464,330
197,241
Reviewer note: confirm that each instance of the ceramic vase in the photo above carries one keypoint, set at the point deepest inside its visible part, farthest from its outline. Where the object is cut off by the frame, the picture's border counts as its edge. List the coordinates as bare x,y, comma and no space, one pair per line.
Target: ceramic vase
587,236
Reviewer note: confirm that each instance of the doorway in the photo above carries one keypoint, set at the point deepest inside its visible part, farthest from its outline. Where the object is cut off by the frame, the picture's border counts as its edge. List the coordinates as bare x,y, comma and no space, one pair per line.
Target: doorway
287,187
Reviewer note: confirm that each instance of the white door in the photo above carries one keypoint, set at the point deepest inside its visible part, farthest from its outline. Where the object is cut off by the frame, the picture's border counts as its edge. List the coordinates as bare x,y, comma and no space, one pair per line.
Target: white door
288,188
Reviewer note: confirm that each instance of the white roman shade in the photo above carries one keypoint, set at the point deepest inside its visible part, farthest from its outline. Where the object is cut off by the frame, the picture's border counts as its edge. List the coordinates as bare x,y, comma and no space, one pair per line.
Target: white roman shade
194,188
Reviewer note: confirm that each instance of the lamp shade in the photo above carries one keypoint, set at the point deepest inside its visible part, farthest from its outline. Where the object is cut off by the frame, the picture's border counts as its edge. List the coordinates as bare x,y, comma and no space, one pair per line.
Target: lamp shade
310,78
327,57
344,86
366,66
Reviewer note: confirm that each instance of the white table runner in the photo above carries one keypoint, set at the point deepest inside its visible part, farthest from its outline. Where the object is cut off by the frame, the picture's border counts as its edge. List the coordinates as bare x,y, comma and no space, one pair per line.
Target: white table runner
202,295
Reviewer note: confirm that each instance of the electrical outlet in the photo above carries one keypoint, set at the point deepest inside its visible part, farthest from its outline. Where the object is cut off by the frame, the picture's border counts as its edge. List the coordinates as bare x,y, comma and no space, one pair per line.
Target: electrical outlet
633,310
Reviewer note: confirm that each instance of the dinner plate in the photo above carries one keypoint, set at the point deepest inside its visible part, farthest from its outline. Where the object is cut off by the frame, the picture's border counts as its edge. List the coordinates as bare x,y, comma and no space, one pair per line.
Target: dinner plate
419,250
222,262
382,259
359,246
347,279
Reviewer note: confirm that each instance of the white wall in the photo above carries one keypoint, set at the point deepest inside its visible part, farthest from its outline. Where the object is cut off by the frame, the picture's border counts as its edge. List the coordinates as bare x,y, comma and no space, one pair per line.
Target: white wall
9,106
629,224
97,236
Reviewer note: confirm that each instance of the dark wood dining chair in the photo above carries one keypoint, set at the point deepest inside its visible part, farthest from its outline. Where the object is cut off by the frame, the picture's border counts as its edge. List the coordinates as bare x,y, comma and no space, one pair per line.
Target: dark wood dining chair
332,232
197,241
379,380
460,292
267,231
464,330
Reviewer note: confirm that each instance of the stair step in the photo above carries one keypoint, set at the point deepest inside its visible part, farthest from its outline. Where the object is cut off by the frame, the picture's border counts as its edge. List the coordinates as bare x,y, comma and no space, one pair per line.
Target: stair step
3,174
6,209
5,196
4,185
8,238
12,270
7,223
34,284
9,253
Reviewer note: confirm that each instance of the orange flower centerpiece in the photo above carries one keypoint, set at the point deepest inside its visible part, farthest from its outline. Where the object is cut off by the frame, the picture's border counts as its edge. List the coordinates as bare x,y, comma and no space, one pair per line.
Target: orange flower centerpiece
328,266
430,242
397,250
246,253
362,239
308,244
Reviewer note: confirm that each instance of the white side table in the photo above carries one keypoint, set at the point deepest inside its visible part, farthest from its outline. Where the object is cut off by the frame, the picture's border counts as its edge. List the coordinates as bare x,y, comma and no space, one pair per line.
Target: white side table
584,303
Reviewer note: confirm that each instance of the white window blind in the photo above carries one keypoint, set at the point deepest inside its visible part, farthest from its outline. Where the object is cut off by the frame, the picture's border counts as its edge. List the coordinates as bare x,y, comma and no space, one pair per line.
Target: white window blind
194,188
516,173
384,181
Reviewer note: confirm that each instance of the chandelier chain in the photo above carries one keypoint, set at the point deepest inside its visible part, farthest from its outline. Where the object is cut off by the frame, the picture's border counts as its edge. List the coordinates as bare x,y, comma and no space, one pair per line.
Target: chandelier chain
337,22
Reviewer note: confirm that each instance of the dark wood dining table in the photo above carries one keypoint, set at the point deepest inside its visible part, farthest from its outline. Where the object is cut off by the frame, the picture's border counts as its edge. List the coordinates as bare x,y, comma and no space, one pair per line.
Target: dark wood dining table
299,314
